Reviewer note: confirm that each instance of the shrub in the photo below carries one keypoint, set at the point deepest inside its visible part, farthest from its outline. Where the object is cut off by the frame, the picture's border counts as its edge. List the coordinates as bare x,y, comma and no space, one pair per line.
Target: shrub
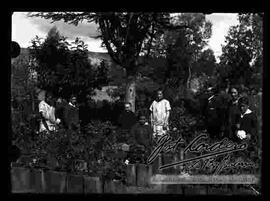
60,150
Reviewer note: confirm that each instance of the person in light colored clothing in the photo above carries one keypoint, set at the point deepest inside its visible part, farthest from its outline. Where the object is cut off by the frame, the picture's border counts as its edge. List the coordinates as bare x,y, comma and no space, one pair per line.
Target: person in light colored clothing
47,112
160,112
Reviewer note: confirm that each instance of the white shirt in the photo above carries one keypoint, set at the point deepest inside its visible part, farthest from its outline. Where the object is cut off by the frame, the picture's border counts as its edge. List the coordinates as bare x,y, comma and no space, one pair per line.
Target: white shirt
71,104
159,110
248,111
48,113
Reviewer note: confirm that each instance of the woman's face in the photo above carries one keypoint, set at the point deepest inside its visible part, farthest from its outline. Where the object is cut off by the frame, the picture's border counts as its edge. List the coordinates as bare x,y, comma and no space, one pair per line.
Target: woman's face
234,93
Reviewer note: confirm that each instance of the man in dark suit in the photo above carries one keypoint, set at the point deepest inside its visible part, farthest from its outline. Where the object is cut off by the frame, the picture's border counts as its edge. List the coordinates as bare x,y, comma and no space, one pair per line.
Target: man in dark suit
127,118
233,114
213,121
72,114
60,107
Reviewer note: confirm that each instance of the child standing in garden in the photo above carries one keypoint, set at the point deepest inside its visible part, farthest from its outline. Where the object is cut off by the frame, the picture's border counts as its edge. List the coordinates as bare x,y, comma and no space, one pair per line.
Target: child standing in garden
142,132
141,137
160,112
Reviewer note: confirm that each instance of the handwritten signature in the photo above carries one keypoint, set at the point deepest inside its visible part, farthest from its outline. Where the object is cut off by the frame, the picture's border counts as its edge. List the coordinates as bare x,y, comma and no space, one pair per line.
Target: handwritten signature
207,152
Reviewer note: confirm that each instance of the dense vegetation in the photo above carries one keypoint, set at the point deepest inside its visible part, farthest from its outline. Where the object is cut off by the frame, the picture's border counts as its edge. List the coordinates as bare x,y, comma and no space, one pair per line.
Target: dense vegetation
171,58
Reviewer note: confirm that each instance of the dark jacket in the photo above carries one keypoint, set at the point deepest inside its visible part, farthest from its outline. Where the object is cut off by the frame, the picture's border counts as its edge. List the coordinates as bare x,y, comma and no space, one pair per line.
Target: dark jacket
233,118
72,117
213,111
85,114
142,135
127,119
249,124
60,109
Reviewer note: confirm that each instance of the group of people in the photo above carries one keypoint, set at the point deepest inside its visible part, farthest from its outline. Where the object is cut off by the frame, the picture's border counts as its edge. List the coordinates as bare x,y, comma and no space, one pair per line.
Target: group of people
58,113
143,131
233,115
227,114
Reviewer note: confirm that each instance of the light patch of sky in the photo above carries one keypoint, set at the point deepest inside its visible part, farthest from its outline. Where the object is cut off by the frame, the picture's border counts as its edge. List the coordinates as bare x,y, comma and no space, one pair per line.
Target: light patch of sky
24,29
221,23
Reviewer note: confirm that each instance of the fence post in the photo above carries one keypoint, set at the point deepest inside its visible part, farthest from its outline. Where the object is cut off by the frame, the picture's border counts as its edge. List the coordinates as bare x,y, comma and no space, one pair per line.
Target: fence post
181,159
114,186
75,184
36,180
92,185
54,182
143,177
131,174
20,180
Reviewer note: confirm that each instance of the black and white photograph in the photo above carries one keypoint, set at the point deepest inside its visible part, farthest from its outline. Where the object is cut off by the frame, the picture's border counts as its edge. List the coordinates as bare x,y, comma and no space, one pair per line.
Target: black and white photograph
136,103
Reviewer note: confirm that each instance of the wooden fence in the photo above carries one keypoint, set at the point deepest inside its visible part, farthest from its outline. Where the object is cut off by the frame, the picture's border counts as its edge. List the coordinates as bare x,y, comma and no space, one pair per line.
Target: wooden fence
25,180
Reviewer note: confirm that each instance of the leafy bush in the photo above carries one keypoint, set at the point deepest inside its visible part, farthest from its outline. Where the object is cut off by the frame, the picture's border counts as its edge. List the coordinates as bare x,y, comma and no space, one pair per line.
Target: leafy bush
60,150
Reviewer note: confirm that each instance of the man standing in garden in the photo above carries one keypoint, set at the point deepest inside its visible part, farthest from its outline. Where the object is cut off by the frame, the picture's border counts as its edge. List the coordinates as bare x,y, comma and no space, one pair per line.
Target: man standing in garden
141,136
60,108
127,118
141,132
213,116
72,114
233,113
160,112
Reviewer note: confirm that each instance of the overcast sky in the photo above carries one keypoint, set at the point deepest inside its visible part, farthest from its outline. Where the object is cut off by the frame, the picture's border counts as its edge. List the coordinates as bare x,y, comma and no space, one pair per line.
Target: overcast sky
24,29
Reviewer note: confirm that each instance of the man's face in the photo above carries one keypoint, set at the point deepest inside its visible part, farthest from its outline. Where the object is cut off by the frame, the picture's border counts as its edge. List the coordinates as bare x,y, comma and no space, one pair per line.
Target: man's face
210,91
28,97
142,120
127,107
234,93
243,108
159,95
73,100
253,92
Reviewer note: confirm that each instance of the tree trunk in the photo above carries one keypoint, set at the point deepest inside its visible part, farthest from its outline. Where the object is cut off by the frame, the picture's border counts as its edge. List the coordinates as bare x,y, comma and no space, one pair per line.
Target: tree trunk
189,77
131,92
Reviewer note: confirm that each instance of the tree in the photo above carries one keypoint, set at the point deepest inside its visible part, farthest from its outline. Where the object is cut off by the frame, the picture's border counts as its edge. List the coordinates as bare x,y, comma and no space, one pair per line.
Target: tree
22,79
241,57
123,34
184,47
205,64
64,68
